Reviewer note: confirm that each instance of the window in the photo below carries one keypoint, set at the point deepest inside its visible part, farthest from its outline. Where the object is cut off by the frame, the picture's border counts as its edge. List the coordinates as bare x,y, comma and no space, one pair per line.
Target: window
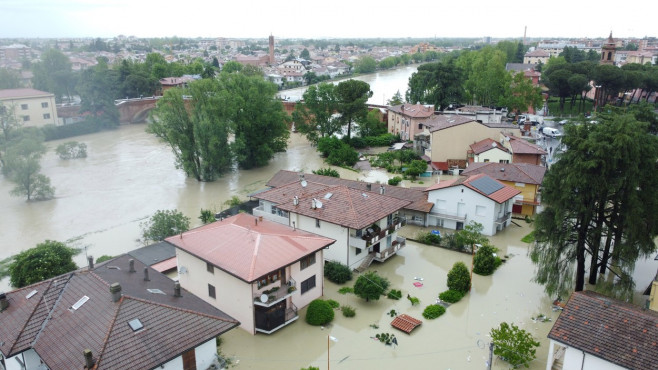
46,116
307,261
44,105
24,106
317,222
505,161
210,268
308,284
486,160
420,126
480,210
26,118
211,291
358,251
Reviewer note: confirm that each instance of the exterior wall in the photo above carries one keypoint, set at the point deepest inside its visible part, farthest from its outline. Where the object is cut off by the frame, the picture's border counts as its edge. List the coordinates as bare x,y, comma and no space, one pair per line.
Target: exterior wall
205,354
573,359
31,360
493,155
34,110
233,295
653,305
527,158
471,200
404,125
454,142
175,364
264,209
302,300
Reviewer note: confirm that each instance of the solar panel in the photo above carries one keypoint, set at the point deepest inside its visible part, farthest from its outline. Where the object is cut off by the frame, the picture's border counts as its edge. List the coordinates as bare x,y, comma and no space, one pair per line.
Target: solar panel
487,185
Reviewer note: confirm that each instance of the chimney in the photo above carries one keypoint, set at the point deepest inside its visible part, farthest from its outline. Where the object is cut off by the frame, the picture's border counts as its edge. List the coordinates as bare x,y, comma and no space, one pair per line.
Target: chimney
256,221
91,262
369,186
295,201
313,203
115,289
4,302
502,169
131,262
294,227
89,359
146,274
177,289
402,108
382,190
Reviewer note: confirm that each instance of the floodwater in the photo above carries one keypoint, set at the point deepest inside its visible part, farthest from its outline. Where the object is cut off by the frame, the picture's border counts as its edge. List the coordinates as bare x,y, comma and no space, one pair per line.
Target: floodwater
457,340
383,84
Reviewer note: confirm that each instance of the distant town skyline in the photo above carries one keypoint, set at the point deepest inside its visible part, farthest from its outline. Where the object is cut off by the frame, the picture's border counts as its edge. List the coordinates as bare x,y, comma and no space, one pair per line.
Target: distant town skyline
328,19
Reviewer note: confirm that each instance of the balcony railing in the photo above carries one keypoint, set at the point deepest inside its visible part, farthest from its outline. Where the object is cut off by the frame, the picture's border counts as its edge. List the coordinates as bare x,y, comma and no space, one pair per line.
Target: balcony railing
259,211
289,317
372,237
448,215
398,243
273,297
504,218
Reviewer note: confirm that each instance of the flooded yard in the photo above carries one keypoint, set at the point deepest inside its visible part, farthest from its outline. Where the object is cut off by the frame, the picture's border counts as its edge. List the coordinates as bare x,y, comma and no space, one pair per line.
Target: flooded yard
457,340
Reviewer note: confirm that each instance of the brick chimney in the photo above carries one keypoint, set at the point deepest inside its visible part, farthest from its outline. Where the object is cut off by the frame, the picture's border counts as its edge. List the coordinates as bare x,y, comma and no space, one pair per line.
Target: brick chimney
146,274
91,262
177,289
4,302
131,262
115,289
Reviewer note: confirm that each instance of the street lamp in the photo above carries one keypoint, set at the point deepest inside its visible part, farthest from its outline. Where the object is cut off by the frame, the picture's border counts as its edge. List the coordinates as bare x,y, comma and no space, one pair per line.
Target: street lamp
329,337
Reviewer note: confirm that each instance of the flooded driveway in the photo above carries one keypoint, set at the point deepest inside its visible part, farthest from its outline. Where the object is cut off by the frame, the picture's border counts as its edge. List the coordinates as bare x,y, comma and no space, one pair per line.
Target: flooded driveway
457,340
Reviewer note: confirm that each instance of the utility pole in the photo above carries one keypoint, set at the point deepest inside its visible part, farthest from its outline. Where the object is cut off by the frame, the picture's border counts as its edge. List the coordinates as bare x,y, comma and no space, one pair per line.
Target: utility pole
490,355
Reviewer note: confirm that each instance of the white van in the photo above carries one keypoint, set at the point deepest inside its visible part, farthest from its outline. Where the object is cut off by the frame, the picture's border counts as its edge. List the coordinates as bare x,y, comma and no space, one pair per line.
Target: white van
550,131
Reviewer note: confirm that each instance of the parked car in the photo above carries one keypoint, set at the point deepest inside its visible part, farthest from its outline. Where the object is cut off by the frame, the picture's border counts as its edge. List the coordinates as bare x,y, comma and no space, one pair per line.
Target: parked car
551,132
564,122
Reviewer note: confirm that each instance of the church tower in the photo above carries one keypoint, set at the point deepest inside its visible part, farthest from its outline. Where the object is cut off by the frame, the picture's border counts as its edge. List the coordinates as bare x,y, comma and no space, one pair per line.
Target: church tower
271,50
608,51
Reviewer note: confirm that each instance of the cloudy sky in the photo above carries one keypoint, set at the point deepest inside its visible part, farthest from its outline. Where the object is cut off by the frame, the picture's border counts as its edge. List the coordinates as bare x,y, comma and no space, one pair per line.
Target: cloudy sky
326,18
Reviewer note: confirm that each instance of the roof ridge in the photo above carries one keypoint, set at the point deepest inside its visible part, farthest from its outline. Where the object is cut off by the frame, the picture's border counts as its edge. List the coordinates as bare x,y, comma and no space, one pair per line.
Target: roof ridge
252,267
27,321
99,358
187,310
50,311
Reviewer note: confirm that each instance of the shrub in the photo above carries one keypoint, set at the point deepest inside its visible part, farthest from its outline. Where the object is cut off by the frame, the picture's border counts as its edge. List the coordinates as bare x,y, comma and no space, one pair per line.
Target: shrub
451,296
394,294
459,278
345,290
370,286
103,258
337,272
381,140
348,311
433,311
71,149
428,238
333,303
395,180
484,261
514,345
319,312
344,156
386,338
414,300
327,172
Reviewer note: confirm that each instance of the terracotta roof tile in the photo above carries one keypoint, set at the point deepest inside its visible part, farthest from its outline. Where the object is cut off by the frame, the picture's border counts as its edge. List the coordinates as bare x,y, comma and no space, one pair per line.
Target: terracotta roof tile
248,248
22,93
485,145
512,172
405,323
346,207
499,196
522,146
413,110
615,331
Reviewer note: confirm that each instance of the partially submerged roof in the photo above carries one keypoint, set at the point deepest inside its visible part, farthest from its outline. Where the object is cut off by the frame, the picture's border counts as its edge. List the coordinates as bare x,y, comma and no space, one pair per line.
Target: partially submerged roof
514,172
247,247
61,317
482,184
415,195
405,323
346,207
615,331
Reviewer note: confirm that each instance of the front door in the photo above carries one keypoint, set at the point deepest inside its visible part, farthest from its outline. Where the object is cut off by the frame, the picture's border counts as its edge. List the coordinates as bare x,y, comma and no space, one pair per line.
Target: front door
460,226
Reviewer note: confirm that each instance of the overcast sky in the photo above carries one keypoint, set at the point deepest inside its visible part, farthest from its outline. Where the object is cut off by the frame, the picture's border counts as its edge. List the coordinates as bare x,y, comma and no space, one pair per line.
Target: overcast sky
327,18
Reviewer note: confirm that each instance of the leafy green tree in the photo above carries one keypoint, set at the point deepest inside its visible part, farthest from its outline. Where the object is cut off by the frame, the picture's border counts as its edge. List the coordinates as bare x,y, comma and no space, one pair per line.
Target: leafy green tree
9,125
103,258
459,278
207,216
365,64
198,137
315,116
54,74
522,94
46,260
415,168
396,99
514,345
471,234
259,122
611,80
372,125
352,96
163,224
232,67
597,206
484,261
438,83
326,172
305,54
71,149
370,286
337,272
98,87
21,166
486,77
9,79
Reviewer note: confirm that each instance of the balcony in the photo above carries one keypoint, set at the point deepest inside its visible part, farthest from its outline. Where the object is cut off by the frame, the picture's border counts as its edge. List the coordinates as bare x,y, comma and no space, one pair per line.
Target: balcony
448,215
275,294
389,252
290,315
260,212
504,218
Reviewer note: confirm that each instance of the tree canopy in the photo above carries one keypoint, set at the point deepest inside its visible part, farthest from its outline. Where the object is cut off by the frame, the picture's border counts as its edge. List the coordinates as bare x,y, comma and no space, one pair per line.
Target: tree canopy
46,260
438,83
314,117
600,208
370,286
514,345
352,96
163,224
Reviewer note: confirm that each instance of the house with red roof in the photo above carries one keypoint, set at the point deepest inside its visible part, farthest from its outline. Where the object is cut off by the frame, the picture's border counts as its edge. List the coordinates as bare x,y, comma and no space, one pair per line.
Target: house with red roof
120,314
30,107
258,271
488,150
406,119
478,198
526,178
595,332
522,150
363,220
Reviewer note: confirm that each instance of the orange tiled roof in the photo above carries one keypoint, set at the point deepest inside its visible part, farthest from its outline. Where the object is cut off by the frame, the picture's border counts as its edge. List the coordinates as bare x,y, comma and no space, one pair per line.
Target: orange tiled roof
405,323
501,195
486,144
512,172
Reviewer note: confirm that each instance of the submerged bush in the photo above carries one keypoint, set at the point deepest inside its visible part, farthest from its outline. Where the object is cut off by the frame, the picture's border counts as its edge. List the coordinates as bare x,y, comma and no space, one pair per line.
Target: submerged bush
433,311
348,311
337,272
451,296
319,312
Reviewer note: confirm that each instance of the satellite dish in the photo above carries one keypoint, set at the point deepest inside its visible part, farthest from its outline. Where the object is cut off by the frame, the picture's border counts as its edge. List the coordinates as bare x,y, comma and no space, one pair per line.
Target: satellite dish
304,183
318,204
264,298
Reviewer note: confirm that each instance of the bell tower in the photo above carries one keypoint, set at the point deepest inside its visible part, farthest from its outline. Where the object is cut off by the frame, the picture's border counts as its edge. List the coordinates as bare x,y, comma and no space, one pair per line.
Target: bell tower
608,51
